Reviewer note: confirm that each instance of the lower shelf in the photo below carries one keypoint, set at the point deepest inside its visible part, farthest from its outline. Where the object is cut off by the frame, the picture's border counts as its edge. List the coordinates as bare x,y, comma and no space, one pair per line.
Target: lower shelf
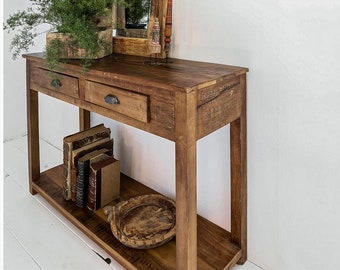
215,251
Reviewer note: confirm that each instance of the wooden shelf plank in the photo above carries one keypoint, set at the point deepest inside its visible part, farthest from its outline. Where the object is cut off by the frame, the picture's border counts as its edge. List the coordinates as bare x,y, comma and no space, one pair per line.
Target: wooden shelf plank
215,251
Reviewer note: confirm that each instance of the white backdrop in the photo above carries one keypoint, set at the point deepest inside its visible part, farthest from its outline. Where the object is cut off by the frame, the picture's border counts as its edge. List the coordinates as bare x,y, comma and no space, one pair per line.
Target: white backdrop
292,51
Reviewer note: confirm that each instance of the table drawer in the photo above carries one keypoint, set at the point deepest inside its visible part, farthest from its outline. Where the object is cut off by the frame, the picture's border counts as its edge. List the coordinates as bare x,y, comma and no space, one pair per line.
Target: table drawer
128,103
218,105
41,78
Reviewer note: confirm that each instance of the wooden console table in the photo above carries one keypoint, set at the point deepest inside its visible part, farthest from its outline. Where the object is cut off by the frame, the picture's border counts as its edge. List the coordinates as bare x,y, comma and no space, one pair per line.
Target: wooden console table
181,101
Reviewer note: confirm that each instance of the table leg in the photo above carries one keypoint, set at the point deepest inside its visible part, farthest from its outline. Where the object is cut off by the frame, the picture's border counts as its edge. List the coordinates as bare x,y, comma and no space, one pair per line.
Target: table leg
84,119
186,202
238,153
33,137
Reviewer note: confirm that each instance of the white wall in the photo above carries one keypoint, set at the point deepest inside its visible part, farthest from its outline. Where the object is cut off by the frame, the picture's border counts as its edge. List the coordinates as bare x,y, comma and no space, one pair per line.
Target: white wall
14,85
292,50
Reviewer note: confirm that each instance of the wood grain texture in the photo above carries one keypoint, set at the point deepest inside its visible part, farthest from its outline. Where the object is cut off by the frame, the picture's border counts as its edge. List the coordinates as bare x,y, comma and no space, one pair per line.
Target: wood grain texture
131,104
133,73
215,251
33,133
186,100
186,201
218,105
238,153
64,84
143,46
131,46
143,222
84,115
84,119
74,52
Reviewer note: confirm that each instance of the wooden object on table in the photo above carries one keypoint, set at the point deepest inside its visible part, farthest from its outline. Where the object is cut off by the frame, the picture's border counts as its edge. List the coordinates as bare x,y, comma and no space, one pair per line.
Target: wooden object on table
155,46
73,51
143,46
132,46
104,24
168,28
187,100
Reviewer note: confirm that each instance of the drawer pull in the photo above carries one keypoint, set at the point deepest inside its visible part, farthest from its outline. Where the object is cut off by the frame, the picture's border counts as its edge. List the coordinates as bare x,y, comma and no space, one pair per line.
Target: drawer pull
56,83
111,99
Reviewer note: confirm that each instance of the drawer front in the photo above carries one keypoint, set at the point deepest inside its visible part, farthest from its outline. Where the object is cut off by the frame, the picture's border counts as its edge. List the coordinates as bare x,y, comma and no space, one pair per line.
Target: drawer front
41,78
218,105
213,91
126,102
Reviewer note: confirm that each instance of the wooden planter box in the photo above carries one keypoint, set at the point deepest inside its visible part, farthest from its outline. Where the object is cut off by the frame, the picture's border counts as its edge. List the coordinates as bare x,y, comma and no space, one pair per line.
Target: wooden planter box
72,51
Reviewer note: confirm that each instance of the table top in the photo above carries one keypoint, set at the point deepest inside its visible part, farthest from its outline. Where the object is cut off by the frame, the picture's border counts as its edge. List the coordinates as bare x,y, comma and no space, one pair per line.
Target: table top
180,75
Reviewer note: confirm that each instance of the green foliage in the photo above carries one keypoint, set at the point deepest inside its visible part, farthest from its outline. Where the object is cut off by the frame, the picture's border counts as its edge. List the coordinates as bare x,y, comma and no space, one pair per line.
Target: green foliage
74,17
53,54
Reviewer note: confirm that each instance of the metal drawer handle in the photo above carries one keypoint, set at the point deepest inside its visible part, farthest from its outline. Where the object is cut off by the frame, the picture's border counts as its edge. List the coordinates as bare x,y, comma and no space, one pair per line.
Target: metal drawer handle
112,99
56,83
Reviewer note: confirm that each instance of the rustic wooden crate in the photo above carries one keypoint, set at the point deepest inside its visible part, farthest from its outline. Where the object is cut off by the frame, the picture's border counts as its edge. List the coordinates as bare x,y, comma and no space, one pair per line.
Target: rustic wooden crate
74,52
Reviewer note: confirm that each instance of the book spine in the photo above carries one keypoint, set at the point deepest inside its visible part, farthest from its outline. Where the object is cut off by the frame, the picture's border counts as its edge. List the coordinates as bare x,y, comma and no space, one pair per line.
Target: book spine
73,181
82,184
67,147
91,138
98,190
93,192
108,145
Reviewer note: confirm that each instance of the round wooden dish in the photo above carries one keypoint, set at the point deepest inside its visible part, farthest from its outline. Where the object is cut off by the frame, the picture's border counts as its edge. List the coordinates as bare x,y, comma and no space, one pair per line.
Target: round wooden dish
144,221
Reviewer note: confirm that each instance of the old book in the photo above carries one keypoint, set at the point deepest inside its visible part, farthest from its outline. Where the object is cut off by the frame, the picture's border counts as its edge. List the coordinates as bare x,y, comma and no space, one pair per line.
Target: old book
78,153
104,183
75,141
83,167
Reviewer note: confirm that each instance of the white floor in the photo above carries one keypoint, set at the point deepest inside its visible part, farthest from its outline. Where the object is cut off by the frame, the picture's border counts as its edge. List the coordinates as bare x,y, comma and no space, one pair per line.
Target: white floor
35,235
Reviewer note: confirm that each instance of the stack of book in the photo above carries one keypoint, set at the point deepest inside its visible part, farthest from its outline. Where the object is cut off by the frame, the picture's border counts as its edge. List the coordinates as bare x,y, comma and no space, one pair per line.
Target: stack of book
91,173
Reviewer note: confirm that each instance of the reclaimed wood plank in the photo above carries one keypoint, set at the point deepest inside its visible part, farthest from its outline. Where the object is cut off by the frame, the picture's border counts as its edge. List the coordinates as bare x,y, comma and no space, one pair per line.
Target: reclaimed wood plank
215,251
238,154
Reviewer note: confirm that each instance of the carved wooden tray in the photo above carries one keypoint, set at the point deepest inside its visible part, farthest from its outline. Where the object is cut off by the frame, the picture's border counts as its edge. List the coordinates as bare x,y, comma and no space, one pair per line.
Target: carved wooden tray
144,221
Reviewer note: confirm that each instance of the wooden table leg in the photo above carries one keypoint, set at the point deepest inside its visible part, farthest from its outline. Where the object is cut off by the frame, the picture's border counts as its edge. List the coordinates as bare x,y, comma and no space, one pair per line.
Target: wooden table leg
33,137
238,153
84,119
186,202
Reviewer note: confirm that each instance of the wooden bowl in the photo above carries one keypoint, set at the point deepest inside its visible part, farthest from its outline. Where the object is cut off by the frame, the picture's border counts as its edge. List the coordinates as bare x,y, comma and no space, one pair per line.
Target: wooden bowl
143,222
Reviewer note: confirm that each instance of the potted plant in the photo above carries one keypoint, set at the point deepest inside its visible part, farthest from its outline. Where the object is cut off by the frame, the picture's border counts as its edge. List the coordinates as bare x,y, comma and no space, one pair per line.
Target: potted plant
78,29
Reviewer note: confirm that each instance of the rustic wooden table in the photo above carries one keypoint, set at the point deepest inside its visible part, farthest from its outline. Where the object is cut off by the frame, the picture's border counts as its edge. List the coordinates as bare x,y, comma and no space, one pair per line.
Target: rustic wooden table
181,101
